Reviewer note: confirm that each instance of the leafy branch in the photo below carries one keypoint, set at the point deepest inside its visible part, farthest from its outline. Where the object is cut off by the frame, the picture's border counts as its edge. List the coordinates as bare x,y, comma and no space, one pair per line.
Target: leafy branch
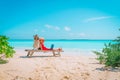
5,49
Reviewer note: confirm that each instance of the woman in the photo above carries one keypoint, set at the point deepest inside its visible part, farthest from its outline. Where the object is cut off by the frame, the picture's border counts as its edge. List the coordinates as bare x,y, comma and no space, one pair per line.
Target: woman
36,42
43,47
41,40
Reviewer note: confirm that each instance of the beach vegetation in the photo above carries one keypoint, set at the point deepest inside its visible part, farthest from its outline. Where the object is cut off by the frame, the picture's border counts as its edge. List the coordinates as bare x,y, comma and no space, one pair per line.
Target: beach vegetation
110,54
6,51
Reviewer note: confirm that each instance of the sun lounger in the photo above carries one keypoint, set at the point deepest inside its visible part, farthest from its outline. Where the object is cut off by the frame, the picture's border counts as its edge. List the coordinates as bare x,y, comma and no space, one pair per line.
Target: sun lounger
31,51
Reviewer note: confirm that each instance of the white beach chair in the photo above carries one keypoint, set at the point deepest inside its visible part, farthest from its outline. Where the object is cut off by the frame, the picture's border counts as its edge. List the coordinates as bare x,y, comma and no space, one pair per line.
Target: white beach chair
55,52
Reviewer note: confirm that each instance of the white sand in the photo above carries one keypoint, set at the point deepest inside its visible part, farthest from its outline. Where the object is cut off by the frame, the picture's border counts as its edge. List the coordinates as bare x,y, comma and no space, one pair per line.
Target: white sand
43,66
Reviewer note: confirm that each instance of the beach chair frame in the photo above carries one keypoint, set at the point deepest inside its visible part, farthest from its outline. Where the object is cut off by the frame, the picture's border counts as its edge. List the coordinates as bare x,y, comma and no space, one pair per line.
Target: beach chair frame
32,51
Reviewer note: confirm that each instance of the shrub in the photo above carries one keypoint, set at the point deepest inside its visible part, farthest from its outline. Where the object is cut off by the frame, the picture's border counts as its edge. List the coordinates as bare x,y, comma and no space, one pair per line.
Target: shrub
5,49
110,55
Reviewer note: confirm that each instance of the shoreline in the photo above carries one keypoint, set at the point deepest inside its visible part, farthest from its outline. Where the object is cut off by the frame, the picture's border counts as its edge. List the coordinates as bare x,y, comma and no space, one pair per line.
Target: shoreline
43,66
68,51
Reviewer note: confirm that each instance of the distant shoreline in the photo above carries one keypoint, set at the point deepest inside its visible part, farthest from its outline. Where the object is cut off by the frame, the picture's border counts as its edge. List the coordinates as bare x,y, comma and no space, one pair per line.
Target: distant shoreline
64,39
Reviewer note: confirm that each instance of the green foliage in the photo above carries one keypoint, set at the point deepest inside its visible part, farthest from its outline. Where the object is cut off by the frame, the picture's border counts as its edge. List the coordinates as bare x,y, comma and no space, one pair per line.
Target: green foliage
100,56
110,55
5,49
3,61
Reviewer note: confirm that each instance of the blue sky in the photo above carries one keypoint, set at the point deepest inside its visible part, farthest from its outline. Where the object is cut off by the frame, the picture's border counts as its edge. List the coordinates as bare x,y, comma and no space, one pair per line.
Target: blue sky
60,19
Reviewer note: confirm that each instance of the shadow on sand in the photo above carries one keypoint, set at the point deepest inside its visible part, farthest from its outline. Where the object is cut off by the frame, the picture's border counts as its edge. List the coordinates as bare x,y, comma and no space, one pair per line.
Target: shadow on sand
117,69
37,56
108,69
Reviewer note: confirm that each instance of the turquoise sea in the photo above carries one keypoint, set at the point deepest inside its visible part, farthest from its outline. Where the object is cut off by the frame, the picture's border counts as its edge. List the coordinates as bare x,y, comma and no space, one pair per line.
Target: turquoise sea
73,47
65,44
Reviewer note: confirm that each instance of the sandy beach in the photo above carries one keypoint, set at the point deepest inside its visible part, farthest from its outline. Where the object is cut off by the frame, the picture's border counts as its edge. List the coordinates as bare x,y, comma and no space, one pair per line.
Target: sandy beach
43,66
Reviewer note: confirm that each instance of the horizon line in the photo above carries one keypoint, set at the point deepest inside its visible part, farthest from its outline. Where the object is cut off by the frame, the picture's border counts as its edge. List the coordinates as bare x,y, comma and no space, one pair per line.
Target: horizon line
65,39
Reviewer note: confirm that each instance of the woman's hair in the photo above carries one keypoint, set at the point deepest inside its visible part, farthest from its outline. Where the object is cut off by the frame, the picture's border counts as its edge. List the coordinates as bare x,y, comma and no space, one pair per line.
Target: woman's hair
36,37
42,39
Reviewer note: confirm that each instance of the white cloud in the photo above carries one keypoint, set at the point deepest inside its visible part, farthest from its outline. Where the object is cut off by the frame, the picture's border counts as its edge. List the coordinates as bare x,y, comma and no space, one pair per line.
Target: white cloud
82,34
67,28
48,26
56,28
97,18
52,27
35,30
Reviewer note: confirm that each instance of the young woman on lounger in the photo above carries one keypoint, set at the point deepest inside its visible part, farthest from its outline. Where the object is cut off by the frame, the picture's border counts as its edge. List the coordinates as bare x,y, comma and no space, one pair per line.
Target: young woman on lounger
41,40
36,43
39,47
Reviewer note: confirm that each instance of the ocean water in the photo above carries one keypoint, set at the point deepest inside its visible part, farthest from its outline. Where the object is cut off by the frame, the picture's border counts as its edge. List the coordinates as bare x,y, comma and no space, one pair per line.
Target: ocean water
73,47
65,44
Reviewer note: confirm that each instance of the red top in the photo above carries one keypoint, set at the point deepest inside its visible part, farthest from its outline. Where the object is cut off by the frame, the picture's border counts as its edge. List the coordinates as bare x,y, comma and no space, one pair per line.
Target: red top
43,47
